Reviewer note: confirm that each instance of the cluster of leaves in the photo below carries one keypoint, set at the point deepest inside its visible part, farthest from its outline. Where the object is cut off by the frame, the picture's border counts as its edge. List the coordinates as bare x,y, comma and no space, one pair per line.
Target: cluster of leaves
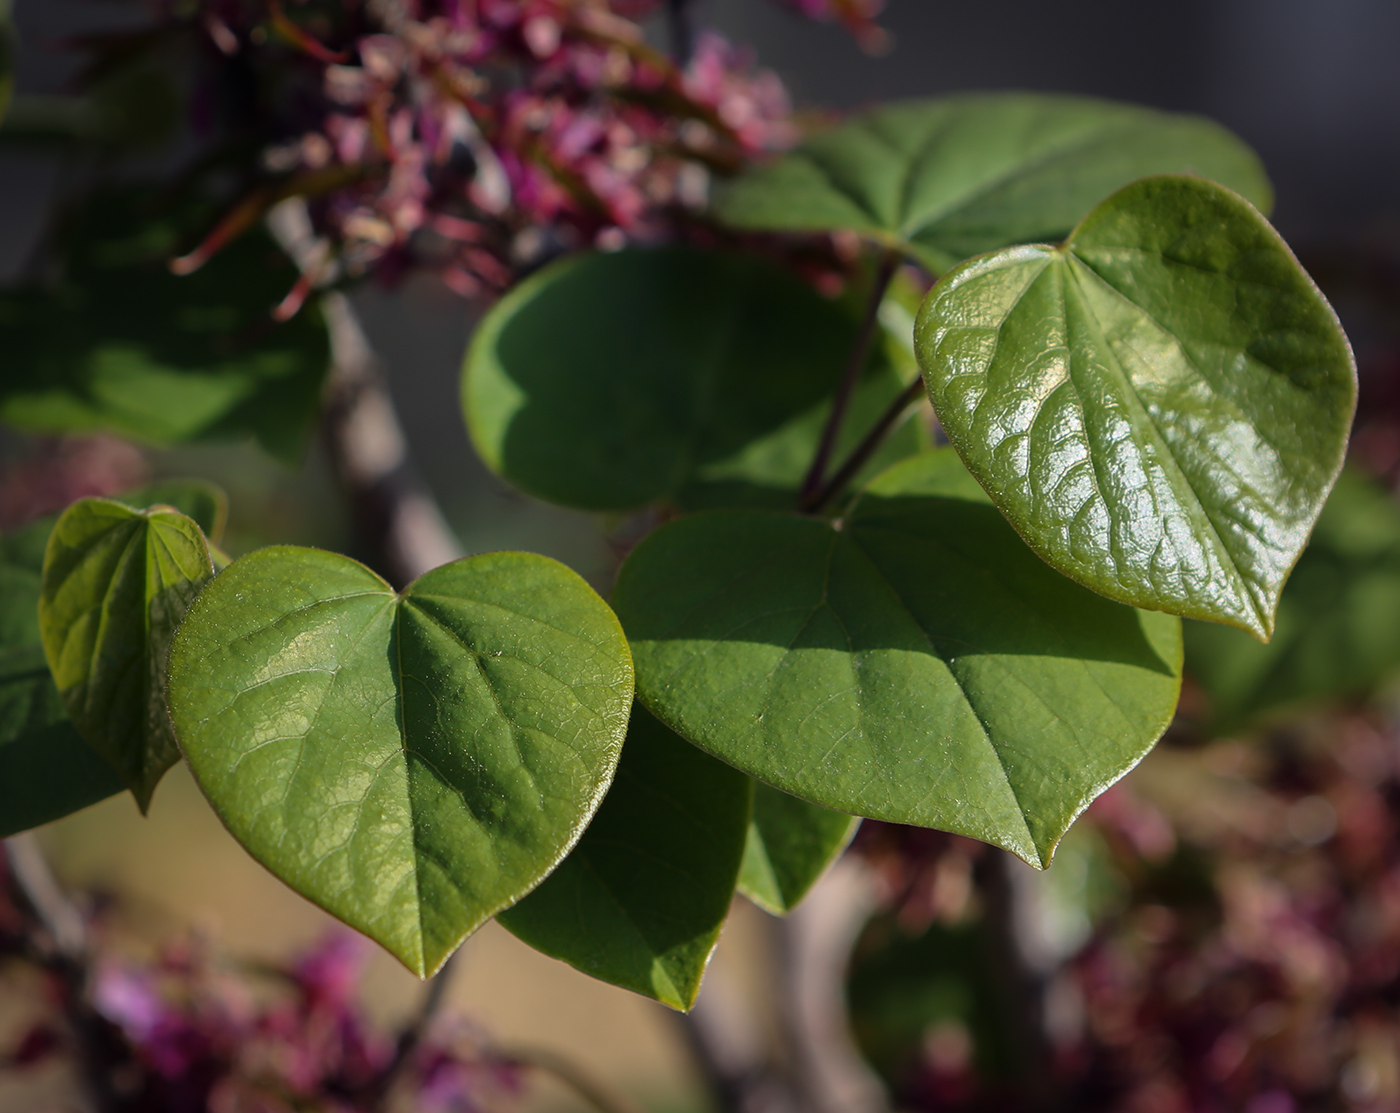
1146,421
190,1033
1241,951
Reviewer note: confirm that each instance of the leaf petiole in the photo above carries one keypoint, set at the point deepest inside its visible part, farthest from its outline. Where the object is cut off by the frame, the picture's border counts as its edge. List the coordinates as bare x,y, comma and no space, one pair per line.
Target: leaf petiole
812,482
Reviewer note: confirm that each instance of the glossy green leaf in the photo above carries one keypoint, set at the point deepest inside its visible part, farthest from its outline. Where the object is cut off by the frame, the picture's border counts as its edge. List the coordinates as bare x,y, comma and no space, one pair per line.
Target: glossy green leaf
609,381
118,343
116,583
951,178
640,901
412,763
1338,632
46,770
918,664
790,845
1159,407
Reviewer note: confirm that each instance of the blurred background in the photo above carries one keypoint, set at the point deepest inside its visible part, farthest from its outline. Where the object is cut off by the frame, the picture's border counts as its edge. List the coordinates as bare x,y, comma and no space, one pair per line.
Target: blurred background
1314,86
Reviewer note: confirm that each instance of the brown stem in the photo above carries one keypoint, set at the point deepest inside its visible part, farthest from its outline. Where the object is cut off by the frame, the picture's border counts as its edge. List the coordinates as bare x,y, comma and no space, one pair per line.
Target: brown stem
868,445
64,951
812,483
411,1038
396,518
593,1090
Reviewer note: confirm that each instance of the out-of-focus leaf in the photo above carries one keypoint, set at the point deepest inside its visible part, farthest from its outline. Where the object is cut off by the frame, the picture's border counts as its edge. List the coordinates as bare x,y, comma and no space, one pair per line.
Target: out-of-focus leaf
640,901
1338,631
918,664
1159,406
790,845
610,381
412,762
951,178
116,583
118,343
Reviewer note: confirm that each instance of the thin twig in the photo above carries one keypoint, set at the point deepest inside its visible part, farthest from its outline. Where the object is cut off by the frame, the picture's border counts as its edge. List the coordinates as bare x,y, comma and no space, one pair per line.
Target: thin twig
812,483
66,954
396,517
869,444
60,917
593,1090
411,1038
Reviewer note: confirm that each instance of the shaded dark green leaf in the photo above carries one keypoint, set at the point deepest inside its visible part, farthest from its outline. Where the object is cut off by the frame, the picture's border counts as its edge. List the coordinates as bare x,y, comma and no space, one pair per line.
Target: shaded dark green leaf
46,770
1338,630
118,343
640,901
790,845
607,382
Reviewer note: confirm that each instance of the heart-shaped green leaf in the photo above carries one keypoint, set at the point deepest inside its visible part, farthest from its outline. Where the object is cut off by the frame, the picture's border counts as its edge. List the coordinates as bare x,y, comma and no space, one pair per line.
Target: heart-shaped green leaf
1159,407
46,769
1338,632
412,763
917,664
607,382
119,343
116,583
640,901
951,178
790,844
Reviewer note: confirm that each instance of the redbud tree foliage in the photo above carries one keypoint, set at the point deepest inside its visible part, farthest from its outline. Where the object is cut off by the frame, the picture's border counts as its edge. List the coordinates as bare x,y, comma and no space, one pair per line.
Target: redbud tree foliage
709,320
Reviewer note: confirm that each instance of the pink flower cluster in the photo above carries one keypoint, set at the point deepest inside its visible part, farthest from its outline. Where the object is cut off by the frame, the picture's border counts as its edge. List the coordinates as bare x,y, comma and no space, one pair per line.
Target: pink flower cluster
188,1035
1246,961
475,136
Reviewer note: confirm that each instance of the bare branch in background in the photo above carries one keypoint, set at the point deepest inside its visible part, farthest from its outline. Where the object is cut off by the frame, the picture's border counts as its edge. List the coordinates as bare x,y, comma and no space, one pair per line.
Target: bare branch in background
397,520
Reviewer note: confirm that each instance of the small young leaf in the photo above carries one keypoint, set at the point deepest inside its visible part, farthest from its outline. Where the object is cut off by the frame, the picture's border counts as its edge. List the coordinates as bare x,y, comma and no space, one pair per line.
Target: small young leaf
790,844
198,499
918,664
412,763
1338,632
640,901
610,381
46,770
1159,407
119,343
117,581
951,178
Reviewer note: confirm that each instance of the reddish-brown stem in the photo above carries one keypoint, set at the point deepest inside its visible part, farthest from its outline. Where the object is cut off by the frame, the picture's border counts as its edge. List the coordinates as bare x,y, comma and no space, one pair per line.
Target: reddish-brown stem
845,390
868,445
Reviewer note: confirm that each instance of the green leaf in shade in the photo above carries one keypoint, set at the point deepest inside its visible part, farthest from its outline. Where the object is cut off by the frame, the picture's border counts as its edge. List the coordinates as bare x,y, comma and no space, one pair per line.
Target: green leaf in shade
790,844
917,664
609,381
412,762
46,770
950,178
116,583
1338,631
641,899
119,343
1159,407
